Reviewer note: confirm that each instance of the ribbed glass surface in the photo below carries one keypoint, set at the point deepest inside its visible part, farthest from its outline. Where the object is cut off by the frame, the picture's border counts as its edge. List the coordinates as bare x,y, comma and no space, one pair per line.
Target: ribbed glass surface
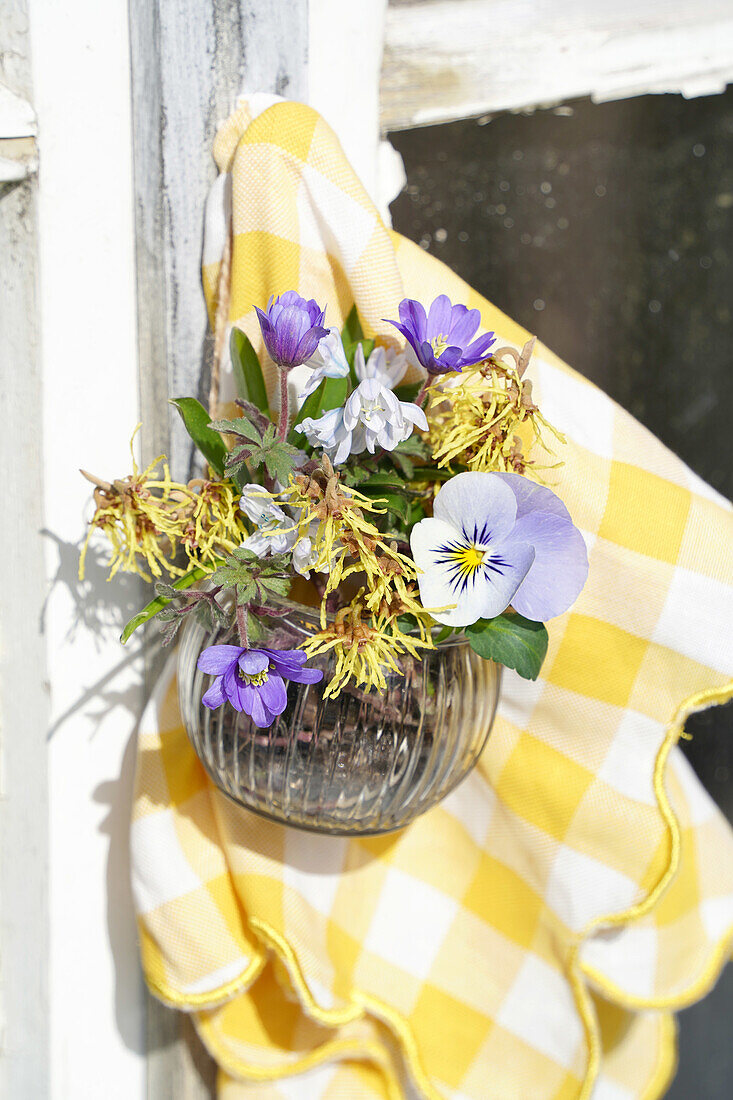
361,763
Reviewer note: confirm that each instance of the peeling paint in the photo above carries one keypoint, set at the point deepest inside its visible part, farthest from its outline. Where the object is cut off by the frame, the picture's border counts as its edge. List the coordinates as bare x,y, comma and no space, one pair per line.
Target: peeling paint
451,59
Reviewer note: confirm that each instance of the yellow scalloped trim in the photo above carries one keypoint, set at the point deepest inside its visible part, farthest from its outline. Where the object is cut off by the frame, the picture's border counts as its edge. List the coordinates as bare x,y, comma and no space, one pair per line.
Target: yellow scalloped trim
666,1066
360,1004
688,996
580,972
328,1017
335,1050
187,1002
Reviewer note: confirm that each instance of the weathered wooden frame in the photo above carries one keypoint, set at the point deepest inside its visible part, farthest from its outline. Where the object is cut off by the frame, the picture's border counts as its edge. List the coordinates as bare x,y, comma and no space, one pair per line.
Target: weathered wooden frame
451,59
222,49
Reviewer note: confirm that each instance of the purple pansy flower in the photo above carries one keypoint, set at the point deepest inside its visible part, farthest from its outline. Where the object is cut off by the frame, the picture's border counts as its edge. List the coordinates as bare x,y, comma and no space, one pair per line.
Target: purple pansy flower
495,540
441,339
292,328
253,680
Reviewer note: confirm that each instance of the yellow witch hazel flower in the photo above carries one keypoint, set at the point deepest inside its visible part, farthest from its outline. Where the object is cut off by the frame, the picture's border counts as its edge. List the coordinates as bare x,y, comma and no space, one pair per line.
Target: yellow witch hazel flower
403,601
366,645
366,635
145,518
343,541
213,523
367,523
476,419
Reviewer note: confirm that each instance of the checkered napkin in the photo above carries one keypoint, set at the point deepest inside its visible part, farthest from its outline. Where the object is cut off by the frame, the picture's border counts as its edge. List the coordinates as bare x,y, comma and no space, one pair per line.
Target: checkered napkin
531,936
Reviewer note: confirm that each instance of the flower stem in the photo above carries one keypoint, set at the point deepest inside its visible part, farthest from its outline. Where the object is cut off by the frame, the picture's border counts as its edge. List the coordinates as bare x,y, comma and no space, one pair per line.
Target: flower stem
282,428
242,625
423,391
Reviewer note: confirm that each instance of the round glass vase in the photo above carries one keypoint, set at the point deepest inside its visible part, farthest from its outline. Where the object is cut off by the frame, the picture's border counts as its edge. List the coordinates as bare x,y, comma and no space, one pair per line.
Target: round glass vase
359,764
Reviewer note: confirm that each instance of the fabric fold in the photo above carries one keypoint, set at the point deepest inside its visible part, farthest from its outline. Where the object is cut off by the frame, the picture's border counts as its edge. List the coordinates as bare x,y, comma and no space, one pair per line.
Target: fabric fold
530,935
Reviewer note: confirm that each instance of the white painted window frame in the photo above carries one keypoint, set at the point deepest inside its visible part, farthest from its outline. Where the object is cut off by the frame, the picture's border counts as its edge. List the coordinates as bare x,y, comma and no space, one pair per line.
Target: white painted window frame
451,59
101,317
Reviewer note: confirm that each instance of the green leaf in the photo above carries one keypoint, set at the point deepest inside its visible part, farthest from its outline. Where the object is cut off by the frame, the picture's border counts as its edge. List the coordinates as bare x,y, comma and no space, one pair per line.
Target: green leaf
405,465
404,453
510,640
331,394
198,425
352,331
367,347
248,376
254,578
433,473
408,392
260,420
384,480
413,445
334,393
255,629
160,602
395,503
258,444
354,474
163,589
243,427
310,407
417,512
278,456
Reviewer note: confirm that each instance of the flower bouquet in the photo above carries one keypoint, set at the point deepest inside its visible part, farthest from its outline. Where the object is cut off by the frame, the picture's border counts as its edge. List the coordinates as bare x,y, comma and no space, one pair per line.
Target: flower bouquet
354,566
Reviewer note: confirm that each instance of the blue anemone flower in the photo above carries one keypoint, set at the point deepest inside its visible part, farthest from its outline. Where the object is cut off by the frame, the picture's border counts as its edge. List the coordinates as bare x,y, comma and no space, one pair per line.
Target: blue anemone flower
442,339
253,680
292,328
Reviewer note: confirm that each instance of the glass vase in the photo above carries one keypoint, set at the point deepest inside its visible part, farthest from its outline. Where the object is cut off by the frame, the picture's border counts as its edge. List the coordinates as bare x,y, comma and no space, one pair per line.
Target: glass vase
359,764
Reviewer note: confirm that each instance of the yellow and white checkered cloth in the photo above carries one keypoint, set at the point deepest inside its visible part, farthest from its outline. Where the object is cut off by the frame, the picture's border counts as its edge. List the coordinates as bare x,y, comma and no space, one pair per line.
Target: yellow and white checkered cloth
531,936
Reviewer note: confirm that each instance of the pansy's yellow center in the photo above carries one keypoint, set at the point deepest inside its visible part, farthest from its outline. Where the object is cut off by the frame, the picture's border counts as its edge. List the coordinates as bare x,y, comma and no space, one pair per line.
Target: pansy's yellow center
464,560
439,344
257,678
471,557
